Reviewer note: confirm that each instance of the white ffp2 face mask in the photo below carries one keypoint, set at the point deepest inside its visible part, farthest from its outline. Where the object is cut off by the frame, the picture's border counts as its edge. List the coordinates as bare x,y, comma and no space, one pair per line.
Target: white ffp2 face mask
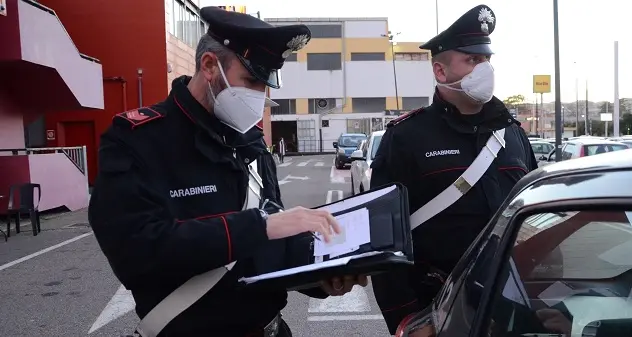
238,107
478,85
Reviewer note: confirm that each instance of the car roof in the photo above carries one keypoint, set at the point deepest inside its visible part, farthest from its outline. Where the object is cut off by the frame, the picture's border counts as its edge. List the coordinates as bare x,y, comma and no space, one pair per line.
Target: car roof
378,133
540,142
353,134
594,141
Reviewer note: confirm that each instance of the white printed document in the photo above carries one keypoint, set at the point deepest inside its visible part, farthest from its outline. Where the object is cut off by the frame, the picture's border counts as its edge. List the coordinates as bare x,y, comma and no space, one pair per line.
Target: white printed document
355,231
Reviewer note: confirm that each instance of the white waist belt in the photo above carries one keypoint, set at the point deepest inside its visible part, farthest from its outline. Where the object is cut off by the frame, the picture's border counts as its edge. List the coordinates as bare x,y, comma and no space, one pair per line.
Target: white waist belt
463,184
196,287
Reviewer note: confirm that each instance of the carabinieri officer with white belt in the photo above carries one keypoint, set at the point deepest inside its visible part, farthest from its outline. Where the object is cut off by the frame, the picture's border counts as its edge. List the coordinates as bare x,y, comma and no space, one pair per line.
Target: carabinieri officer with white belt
459,158
181,190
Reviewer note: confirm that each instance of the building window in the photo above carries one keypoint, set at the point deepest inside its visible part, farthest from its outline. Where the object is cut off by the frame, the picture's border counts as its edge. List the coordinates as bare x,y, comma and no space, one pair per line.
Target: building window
292,58
412,56
286,107
187,25
325,31
367,57
373,104
324,61
412,103
321,105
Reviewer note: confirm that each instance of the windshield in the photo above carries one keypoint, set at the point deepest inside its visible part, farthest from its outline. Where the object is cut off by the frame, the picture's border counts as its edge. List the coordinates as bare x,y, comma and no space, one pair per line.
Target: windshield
351,141
376,145
591,150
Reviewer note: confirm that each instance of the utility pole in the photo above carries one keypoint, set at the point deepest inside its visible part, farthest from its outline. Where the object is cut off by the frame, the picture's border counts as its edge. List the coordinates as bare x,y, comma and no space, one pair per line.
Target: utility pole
615,117
586,115
558,101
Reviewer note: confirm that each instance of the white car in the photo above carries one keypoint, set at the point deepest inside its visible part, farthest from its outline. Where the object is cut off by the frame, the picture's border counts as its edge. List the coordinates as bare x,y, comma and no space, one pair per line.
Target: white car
361,162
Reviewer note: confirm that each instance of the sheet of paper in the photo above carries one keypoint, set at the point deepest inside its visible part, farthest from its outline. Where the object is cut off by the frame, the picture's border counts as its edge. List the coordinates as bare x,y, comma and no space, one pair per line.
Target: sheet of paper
358,200
514,288
355,231
307,268
556,293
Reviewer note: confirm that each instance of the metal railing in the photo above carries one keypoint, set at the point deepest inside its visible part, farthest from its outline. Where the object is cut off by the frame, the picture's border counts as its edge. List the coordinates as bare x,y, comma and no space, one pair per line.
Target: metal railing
76,154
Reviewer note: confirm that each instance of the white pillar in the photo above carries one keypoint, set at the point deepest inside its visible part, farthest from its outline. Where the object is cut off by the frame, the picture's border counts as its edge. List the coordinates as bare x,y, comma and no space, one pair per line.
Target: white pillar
615,116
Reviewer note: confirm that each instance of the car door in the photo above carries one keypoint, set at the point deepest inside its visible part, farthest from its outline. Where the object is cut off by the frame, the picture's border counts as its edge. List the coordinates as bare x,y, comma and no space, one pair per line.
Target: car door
553,261
356,169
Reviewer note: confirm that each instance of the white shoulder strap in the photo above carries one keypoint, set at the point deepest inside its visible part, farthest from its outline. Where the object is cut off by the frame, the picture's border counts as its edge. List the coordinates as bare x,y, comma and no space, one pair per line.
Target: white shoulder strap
193,289
463,184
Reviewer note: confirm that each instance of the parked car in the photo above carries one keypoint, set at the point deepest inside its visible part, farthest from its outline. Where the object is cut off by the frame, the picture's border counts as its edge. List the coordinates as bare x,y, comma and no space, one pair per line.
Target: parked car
553,261
582,147
347,143
361,165
541,148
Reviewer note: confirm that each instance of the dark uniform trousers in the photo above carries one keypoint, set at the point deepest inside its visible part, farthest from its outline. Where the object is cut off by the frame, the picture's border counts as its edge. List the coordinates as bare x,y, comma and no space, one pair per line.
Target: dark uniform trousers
167,204
427,150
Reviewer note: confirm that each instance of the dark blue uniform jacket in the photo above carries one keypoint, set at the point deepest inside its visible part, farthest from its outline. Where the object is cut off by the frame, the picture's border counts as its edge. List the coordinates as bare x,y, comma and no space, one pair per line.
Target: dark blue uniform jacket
167,205
427,150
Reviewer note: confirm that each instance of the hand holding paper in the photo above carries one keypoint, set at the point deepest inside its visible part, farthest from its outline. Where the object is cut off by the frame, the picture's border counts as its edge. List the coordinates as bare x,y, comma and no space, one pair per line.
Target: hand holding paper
299,220
354,232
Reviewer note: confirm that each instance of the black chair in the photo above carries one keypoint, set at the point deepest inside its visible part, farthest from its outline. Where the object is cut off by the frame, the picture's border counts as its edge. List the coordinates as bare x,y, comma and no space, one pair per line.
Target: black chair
25,204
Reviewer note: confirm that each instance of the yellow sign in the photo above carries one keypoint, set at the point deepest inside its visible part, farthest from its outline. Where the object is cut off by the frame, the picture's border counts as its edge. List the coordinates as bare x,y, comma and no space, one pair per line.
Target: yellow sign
541,84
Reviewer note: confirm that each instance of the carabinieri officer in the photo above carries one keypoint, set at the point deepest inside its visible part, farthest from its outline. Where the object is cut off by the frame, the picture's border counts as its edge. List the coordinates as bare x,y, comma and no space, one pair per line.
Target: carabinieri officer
432,151
168,203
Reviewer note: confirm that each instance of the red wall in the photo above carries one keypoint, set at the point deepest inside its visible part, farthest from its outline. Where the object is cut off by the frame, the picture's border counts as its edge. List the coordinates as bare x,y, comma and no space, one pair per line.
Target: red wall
125,36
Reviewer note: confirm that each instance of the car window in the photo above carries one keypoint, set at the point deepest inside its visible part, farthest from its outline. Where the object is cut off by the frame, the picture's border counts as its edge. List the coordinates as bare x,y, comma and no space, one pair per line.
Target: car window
568,151
590,150
568,273
541,148
376,145
351,140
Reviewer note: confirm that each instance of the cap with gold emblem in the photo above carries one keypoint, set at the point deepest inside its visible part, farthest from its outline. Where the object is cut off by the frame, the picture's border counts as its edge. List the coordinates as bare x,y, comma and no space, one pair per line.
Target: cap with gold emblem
261,47
469,34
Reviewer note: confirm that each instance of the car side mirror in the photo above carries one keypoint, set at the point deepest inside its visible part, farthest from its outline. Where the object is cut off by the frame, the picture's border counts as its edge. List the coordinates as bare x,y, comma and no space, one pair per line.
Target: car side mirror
542,157
357,155
335,144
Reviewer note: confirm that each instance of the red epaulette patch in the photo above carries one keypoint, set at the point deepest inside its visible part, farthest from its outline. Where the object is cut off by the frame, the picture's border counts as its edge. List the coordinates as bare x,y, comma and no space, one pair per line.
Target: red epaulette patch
403,117
259,127
140,116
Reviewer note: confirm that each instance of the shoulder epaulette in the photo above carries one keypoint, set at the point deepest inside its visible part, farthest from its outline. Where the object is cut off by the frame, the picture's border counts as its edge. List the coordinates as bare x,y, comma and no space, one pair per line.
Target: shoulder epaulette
139,116
403,117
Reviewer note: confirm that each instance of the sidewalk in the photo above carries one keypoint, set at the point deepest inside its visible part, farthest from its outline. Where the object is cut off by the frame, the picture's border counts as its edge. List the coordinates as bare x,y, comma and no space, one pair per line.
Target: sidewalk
78,218
56,228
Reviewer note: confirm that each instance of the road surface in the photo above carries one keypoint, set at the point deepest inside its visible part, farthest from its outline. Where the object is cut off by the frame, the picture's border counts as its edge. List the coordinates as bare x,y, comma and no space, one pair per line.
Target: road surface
60,284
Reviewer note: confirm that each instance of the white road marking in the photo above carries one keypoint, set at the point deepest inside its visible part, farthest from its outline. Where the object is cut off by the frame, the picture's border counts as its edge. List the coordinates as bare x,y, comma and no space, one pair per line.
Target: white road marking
302,164
284,164
320,163
354,301
289,178
335,177
45,250
330,196
344,318
121,303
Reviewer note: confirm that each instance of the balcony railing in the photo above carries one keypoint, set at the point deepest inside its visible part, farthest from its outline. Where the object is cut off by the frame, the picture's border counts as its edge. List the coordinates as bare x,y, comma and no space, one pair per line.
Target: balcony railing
76,154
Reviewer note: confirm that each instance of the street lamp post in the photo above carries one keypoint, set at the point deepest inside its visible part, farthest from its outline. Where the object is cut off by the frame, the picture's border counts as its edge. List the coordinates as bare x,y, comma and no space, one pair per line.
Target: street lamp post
437,15
558,102
392,42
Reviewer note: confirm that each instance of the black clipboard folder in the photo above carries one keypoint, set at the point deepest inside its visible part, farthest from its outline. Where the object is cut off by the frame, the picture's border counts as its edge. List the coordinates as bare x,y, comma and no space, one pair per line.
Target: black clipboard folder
390,246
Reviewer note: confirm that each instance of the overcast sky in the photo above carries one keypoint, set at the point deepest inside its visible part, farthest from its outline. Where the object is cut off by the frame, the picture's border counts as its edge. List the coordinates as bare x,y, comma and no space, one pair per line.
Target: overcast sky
523,39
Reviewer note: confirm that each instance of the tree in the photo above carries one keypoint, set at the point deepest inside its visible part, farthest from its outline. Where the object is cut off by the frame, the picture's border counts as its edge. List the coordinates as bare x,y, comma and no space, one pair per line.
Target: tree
514,100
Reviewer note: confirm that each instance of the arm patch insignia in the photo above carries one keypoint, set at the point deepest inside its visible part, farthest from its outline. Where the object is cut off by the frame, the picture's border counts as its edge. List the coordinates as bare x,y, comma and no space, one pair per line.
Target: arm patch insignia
403,117
139,116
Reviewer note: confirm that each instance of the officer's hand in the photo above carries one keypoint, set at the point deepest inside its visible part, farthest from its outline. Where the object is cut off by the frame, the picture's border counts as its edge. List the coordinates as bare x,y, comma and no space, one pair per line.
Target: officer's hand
339,286
299,220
